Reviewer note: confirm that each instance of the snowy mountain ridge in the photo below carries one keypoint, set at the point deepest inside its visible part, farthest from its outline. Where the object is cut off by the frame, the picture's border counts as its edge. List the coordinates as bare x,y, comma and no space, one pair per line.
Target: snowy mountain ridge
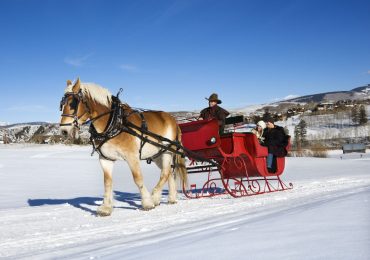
359,94
337,125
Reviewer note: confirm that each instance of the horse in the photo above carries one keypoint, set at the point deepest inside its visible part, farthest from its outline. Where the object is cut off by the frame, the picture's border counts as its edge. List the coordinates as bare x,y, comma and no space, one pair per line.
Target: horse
84,103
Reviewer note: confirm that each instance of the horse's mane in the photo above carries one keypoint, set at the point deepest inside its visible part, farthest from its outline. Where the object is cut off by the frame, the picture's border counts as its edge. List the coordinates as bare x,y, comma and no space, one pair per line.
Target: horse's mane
94,92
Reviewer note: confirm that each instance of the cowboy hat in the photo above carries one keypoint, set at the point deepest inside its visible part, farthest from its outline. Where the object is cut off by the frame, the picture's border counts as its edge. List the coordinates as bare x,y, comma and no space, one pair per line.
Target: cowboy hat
214,97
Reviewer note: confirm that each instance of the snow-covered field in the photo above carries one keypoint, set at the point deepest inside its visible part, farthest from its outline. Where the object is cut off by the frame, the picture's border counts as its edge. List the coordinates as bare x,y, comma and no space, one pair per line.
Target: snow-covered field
49,194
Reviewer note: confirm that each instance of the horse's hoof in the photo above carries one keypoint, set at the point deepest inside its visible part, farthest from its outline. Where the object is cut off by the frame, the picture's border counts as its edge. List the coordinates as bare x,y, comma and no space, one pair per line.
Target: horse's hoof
148,207
156,203
156,199
172,202
104,211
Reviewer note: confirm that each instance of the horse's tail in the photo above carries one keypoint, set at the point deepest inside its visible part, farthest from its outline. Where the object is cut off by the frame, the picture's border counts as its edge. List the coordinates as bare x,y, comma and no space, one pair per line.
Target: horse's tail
180,166
180,170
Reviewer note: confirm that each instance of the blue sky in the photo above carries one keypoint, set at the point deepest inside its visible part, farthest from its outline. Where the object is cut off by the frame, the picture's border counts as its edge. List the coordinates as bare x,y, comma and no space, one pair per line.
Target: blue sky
170,55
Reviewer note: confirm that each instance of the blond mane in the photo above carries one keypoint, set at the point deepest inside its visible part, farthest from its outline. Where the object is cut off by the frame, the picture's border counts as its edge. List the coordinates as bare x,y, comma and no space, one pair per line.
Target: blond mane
94,92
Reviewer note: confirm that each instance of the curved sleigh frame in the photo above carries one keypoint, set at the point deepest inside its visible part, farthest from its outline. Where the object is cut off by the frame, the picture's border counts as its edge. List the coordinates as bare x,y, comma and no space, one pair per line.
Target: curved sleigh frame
240,163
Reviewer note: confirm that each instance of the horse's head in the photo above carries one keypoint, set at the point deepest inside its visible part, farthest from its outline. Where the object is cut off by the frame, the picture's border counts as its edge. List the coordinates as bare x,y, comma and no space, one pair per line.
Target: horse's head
74,109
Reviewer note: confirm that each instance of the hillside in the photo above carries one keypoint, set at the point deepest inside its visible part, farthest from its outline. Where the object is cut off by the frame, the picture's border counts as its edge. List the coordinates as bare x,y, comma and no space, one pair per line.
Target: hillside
326,125
36,132
359,93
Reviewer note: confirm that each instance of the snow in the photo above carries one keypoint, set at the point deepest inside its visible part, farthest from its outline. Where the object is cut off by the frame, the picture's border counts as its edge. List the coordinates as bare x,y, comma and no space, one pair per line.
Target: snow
248,109
49,195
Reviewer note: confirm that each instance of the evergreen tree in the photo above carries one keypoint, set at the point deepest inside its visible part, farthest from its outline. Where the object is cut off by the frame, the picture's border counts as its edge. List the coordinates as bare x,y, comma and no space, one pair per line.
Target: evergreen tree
297,137
300,134
362,115
303,128
355,115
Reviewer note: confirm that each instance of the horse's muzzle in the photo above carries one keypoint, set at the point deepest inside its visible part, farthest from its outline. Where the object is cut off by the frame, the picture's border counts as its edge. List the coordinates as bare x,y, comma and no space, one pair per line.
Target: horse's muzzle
69,132
64,133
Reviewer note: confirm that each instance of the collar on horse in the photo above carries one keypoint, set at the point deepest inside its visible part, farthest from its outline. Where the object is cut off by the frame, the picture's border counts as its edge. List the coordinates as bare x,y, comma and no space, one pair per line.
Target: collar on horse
118,123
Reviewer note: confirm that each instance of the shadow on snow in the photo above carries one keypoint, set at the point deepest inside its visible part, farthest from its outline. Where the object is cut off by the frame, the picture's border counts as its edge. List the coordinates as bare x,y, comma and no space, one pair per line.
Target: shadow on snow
84,203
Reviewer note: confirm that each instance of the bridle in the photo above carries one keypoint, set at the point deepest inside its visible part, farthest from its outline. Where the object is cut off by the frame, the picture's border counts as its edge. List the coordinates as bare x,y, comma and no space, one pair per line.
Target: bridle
77,98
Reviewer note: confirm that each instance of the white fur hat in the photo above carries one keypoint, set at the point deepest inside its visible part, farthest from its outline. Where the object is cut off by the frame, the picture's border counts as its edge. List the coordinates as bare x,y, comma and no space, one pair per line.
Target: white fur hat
262,124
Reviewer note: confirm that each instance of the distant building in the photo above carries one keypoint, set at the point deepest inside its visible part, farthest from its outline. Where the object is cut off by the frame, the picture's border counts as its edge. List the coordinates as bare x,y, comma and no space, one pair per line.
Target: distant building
354,148
324,106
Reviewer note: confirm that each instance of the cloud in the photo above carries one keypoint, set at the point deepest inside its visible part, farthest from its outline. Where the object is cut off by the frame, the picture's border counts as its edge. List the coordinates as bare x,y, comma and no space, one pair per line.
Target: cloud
368,72
77,61
128,67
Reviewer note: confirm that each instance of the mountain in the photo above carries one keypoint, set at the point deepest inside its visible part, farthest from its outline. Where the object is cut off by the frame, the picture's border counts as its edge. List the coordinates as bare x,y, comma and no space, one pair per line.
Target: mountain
43,132
359,93
35,132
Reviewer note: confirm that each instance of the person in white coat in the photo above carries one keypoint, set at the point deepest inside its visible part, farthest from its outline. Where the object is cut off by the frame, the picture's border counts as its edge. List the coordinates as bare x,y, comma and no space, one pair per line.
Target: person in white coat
258,131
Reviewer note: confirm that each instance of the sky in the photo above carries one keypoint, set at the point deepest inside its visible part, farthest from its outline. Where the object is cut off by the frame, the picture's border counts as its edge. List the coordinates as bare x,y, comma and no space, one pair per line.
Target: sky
170,55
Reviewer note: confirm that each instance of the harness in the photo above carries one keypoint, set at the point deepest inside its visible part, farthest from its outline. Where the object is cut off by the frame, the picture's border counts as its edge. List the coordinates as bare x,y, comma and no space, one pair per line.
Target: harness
118,123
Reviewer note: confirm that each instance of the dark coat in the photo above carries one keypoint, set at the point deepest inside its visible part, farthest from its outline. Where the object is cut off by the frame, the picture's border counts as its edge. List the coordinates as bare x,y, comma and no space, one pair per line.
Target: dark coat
276,141
215,112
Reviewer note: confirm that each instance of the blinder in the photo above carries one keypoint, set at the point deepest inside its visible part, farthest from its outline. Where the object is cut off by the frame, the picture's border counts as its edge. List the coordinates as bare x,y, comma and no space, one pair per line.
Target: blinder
77,98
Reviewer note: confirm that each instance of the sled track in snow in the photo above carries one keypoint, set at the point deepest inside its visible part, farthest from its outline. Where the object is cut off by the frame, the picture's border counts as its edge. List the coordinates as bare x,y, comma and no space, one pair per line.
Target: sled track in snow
66,231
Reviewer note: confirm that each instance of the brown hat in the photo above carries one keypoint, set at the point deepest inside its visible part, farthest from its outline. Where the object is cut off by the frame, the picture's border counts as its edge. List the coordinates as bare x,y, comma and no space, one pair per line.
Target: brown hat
214,97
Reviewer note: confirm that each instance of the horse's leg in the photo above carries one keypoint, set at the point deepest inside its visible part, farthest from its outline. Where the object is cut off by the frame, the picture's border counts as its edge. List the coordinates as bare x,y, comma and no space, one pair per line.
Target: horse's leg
107,207
172,191
146,199
164,163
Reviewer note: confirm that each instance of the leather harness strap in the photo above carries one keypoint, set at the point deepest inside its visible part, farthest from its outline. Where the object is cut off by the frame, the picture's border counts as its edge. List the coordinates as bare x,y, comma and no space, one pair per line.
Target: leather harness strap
118,124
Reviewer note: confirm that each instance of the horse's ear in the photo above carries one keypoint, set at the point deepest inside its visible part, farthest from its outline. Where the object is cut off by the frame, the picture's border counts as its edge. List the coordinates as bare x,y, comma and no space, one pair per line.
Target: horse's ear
77,85
69,82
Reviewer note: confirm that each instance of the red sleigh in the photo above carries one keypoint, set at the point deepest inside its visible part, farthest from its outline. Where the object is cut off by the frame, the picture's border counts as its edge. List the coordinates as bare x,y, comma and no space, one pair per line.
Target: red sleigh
235,165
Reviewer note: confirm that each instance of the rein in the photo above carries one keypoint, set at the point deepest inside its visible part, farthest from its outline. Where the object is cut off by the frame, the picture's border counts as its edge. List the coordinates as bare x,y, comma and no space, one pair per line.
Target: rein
118,123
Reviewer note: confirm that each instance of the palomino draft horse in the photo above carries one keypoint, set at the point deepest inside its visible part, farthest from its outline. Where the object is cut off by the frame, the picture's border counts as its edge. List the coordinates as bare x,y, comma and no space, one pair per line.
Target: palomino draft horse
116,135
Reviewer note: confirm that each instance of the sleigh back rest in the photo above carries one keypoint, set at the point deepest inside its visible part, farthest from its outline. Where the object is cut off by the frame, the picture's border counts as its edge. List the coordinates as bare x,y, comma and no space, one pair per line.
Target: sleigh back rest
253,146
198,135
227,143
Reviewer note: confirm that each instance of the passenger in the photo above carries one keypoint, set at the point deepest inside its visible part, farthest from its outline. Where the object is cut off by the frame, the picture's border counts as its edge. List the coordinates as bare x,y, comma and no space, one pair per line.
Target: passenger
258,131
275,141
215,111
